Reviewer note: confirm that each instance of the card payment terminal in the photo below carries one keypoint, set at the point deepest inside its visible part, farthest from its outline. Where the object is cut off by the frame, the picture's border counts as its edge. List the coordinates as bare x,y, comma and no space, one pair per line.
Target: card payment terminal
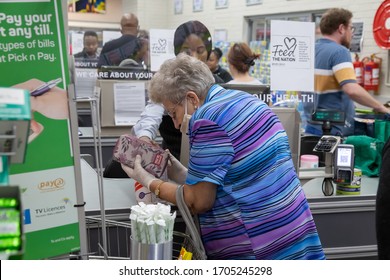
343,164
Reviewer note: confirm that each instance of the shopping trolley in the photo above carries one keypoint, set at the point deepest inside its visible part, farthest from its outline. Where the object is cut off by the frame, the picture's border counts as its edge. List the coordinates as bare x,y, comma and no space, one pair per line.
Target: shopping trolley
118,236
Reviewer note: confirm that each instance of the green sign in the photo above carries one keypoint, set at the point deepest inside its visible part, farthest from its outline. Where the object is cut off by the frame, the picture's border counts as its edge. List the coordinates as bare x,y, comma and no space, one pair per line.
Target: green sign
32,54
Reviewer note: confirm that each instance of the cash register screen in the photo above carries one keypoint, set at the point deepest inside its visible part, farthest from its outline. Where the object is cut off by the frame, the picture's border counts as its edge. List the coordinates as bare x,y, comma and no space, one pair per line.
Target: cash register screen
344,157
10,230
260,91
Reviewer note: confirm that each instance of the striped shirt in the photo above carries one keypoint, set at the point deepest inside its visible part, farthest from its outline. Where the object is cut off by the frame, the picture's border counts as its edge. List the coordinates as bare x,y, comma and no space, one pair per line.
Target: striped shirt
333,69
260,210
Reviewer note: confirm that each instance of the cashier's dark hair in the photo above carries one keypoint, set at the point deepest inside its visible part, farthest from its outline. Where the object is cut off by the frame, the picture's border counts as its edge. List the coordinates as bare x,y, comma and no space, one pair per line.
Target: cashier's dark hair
241,57
179,75
90,33
218,53
332,18
188,28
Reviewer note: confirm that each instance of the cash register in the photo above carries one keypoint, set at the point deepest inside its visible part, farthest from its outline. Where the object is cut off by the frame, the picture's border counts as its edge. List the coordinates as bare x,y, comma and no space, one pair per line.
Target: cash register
15,116
11,222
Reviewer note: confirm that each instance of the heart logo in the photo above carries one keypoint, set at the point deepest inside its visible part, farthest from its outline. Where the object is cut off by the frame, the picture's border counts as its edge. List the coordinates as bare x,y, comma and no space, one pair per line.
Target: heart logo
162,42
290,42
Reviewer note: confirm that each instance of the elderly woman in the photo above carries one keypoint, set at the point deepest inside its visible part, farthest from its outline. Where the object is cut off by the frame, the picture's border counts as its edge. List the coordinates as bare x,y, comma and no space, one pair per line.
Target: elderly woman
241,180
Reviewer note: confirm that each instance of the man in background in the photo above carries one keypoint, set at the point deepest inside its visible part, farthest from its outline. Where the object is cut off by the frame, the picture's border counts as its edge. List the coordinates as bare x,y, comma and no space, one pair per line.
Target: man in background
91,43
335,81
126,46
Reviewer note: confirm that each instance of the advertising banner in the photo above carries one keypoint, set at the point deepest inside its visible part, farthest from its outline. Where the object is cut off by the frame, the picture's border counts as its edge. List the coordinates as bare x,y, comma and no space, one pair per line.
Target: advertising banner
33,56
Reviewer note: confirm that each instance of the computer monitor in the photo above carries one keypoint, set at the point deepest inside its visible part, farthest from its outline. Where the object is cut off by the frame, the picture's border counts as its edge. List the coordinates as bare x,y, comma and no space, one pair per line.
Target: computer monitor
291,121
260,91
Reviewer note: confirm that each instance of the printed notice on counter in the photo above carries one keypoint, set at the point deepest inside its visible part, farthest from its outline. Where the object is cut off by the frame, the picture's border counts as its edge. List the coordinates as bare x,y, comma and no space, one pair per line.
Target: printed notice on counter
161,47
129,102
292,55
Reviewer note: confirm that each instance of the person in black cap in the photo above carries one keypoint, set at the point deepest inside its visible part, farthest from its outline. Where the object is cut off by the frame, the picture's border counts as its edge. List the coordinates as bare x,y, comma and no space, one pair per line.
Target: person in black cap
213,63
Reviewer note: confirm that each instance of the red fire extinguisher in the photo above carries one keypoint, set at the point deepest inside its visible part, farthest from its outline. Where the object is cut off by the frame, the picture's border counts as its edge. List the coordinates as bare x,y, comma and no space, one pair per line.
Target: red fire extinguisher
371,73
358,66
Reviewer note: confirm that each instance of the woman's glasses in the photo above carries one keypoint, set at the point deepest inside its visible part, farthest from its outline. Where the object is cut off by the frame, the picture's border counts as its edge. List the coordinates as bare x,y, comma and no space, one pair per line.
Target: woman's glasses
172,110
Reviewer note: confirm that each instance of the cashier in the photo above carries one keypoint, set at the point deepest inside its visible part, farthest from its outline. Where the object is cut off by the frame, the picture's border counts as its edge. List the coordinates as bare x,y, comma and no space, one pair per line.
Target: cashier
194,39
335,81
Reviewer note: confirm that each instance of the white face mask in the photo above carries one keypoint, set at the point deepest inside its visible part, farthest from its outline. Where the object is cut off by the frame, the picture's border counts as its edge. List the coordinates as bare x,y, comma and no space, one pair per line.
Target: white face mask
186,120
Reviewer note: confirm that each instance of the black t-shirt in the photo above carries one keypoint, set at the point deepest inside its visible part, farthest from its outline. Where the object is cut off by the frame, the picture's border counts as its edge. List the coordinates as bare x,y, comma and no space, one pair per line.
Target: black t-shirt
223,74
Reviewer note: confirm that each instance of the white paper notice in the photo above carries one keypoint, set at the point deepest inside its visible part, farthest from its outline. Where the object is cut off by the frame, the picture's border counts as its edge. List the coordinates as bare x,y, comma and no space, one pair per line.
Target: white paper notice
292,55
161,47
129,102
77,42
85,81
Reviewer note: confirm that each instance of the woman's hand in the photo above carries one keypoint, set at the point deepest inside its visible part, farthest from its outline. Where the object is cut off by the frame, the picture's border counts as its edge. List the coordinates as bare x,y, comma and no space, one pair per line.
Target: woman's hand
176,171
138,173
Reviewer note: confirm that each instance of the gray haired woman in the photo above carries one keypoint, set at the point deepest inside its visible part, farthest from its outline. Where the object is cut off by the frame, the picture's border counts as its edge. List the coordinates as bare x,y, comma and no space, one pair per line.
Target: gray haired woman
241,179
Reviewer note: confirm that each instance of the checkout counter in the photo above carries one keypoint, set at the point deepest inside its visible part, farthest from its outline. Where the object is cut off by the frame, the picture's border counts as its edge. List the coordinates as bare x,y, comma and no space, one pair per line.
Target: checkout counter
346,223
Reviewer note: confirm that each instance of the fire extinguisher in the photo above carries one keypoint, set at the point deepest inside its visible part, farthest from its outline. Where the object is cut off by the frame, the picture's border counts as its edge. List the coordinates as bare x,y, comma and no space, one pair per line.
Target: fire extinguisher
358,66
371,73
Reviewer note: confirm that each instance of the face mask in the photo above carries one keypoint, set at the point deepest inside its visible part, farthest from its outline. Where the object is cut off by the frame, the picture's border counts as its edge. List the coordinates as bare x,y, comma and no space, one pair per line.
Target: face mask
186,120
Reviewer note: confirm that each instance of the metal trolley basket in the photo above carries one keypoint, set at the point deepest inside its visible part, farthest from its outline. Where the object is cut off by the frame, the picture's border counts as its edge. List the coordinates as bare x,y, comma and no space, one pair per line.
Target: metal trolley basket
118,236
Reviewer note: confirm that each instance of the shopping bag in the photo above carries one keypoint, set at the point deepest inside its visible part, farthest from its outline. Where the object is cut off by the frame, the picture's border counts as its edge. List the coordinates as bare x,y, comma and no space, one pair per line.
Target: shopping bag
192,242
382,130
368,153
